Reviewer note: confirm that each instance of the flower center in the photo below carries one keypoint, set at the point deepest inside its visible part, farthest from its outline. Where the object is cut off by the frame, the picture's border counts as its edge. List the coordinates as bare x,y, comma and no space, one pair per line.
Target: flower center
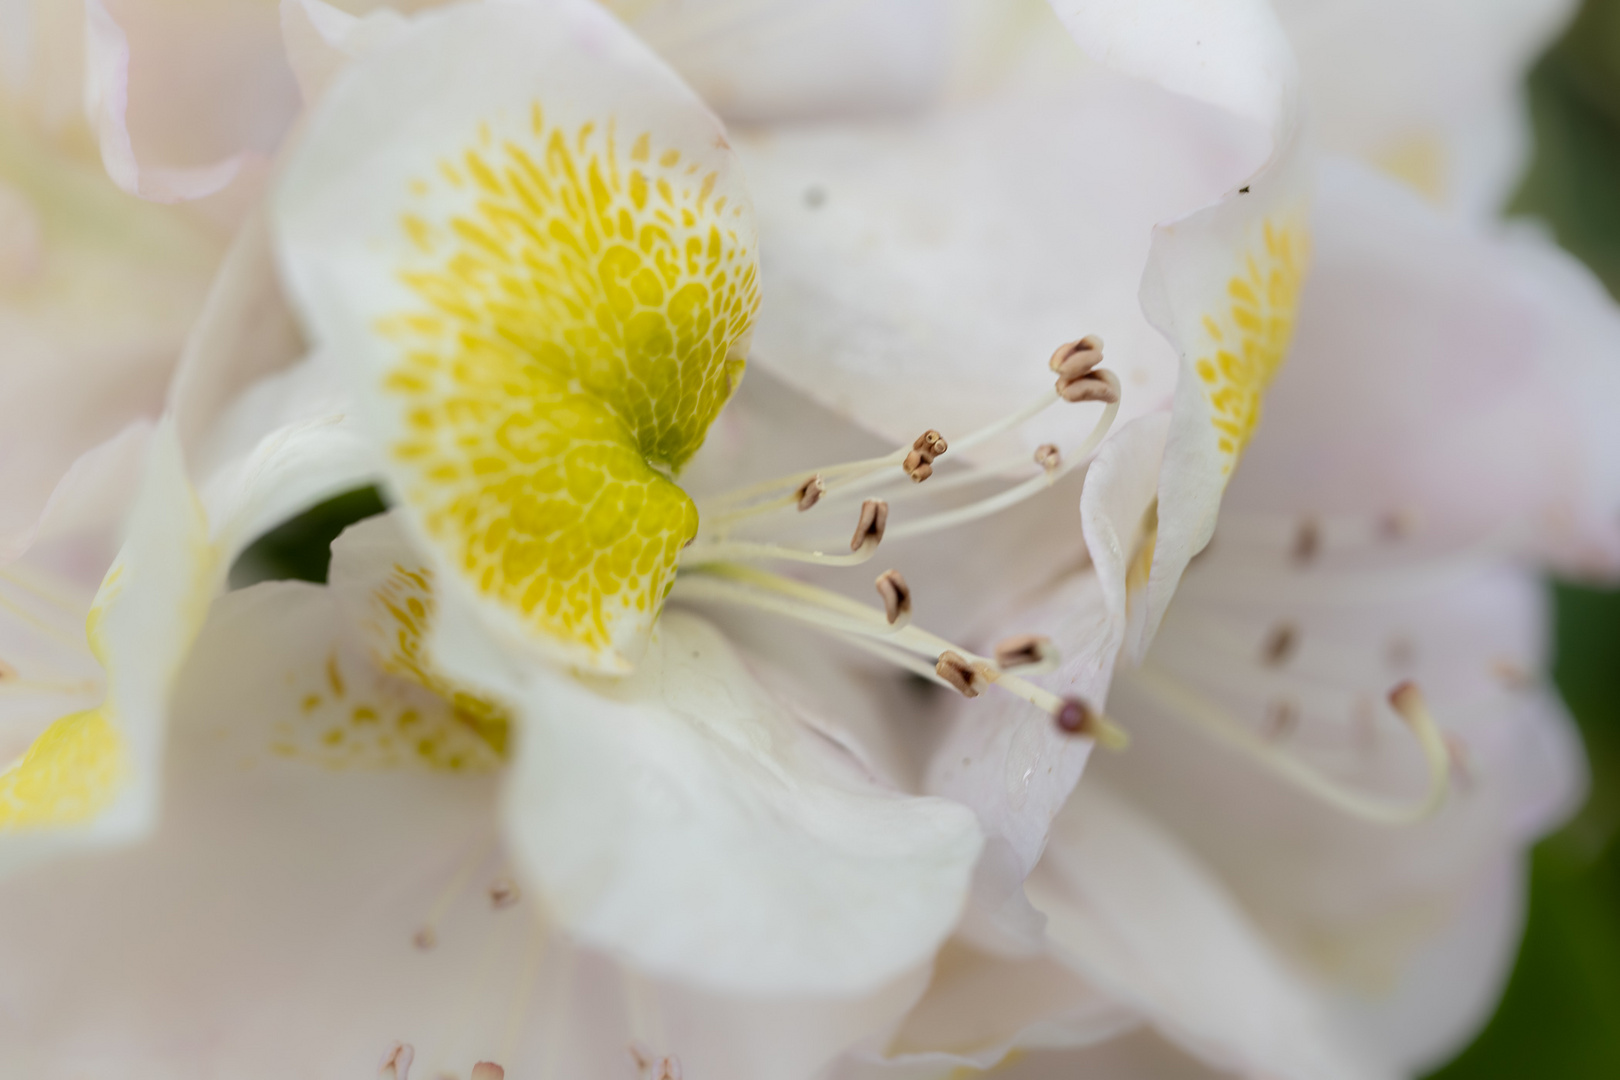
711,567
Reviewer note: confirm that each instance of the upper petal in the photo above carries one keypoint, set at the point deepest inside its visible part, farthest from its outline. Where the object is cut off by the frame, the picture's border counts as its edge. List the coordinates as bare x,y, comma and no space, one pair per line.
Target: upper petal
537,269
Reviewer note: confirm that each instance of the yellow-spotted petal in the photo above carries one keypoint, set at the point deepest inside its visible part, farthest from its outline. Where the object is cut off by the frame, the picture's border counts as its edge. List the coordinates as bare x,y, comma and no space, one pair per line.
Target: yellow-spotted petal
91,774
526,241
1223,284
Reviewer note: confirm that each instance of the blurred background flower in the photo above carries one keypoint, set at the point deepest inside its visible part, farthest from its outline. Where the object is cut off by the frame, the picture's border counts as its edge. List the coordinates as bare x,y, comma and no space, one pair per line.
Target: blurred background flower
1560,1015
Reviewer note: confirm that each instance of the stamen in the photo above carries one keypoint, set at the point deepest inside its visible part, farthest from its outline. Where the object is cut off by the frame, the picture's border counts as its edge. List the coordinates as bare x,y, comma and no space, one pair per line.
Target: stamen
1279,645
919,464
896,595
1307,540
904,645
1025,651
648,1067
874,519
967,677
428,936
1078,380
863,545
1048,457
488,1070
1017,493
1405,699
503,893
821,608
396,1064
810,492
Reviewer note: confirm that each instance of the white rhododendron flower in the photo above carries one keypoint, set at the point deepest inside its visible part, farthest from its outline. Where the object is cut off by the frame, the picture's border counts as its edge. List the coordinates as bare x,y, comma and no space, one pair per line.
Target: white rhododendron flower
525,258
1311,860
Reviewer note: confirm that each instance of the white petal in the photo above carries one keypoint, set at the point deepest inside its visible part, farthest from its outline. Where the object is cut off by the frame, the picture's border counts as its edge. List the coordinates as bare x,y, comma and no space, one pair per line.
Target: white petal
268,927
321,39
1223,284
773,60
981,1010
91,777
686,819
1359,904
919,272
244,333
1232,54
1445,379
1138,917
1441,107
99,290
1453,983
107,99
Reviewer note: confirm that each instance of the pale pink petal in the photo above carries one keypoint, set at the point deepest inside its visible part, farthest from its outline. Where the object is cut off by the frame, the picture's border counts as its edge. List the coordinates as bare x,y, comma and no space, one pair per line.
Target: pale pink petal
107,101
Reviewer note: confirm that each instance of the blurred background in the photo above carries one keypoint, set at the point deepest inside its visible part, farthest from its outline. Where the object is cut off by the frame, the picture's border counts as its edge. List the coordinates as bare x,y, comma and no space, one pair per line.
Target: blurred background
1560,1016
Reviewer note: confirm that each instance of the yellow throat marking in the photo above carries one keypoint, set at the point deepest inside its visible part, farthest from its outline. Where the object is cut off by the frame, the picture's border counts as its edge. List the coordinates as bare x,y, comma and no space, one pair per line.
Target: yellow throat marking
1249,340
583,317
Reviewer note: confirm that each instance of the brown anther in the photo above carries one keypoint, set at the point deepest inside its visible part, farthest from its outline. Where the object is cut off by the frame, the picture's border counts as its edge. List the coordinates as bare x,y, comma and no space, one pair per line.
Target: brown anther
1307,540
811,491
957,670
1023,650
504,893
425,938
916,467
396,1064
488,1070
1407,700
919,464
1279,644
1048,457
1074,717
930,444
1077,357
1099,385
1457,757
896,594
1511,674
1282,717
869,529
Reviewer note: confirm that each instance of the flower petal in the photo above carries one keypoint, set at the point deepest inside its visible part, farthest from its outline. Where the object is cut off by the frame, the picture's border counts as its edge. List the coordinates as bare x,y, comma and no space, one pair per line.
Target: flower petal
1138,917
775,60
1443,110
1417,326
273,924
540,285
107,99
686,819
90,776
1359,904
920,271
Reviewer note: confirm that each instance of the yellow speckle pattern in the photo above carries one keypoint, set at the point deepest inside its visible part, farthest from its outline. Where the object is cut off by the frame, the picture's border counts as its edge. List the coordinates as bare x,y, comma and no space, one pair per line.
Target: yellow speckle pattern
1248,341
350,716
394,711
584,309
68,776
407,606
74,769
